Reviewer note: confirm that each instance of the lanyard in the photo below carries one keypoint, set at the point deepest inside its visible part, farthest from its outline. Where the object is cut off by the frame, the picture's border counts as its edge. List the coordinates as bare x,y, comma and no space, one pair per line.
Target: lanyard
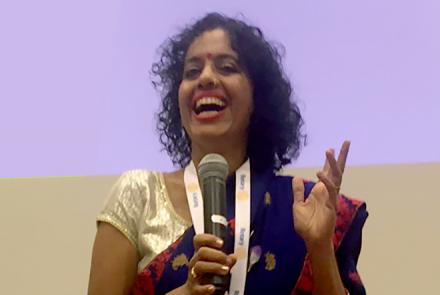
242,219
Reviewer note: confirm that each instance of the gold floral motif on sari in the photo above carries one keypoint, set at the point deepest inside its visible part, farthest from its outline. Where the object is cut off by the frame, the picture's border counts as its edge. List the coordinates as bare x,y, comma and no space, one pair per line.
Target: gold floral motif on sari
179,261
270,261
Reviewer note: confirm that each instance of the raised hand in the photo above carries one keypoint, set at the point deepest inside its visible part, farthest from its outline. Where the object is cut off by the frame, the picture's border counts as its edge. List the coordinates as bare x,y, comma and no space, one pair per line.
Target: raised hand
314,219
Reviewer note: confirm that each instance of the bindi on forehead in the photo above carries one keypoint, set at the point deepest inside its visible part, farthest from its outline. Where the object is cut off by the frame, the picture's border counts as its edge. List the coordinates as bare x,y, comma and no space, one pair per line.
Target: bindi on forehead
209,55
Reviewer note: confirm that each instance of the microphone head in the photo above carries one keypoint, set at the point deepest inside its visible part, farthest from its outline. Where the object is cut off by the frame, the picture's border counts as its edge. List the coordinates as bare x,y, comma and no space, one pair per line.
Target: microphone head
213,165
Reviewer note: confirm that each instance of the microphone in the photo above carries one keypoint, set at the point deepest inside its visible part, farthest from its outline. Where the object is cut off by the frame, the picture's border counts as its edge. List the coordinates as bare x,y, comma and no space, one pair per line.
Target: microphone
212,171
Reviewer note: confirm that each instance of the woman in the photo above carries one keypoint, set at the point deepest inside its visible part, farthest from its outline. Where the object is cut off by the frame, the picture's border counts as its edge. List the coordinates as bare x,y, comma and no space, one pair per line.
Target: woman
224,92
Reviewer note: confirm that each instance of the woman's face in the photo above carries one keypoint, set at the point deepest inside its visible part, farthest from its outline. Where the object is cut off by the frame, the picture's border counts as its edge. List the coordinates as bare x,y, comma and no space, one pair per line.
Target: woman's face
215,95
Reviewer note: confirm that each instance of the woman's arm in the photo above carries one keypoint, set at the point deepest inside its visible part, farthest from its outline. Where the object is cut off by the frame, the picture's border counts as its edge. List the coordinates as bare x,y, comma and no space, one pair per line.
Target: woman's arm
326,277
314,220
114,263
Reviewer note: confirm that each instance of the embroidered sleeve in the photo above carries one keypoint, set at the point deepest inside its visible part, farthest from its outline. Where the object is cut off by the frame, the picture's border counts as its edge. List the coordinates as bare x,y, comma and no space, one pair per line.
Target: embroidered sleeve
348,254
126,203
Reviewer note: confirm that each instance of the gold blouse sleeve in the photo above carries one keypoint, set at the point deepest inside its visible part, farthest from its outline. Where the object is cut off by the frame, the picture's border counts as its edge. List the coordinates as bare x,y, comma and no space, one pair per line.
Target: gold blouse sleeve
125,204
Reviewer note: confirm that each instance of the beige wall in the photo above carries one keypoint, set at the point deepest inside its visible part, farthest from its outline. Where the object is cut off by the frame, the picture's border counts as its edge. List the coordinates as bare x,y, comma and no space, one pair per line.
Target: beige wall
47,228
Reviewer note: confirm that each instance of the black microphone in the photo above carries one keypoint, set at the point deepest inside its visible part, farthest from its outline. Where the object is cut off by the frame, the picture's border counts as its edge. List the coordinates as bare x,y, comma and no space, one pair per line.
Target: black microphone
213,170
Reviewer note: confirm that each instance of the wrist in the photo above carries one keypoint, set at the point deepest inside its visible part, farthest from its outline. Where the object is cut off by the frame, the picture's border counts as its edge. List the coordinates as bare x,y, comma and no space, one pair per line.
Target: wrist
325,270
321,248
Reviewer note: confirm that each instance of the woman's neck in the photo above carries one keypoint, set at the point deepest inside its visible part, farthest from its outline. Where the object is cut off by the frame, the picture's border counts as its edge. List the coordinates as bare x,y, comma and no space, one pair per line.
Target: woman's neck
235,155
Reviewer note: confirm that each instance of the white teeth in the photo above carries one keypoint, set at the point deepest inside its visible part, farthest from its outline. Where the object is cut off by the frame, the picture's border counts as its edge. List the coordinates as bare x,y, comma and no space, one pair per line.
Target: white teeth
210,100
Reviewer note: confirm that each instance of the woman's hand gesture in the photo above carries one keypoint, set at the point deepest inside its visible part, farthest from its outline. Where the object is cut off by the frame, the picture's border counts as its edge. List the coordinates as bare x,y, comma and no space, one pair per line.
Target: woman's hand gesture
314,219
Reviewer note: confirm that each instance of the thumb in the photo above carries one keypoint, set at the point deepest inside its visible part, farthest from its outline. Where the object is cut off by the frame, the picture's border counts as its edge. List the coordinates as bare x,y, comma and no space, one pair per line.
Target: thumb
298,189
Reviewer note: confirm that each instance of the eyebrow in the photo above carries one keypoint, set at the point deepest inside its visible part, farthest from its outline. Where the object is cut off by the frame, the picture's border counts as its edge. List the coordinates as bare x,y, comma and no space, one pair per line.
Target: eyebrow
196,59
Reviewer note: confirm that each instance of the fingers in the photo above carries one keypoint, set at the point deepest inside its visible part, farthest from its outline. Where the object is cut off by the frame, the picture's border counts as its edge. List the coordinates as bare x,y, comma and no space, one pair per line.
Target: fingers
298,190
207,240
232,259
209,254
208,249
202,289
342,158
204,267
330,186
327,164
201,267
208,259
334,170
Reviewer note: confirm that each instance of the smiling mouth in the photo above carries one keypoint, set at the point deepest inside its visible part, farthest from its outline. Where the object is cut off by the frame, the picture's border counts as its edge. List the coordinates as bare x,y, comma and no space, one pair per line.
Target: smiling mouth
209,104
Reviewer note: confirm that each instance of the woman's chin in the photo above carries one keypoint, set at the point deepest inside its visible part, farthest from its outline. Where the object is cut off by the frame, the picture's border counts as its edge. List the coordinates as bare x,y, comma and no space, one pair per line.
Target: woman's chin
209,132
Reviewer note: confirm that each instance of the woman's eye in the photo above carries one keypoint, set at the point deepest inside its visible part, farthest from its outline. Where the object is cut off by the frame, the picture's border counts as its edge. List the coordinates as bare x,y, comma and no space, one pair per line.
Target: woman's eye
229,68
191,73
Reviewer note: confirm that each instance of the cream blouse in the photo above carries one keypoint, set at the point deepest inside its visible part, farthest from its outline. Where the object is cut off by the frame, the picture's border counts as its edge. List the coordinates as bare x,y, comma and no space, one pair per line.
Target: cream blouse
139,207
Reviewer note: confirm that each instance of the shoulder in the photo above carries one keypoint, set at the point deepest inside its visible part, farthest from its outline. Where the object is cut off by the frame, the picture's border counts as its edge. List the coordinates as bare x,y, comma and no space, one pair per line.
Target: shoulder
136,187
352,214
174,177
136,179
131,191
128,199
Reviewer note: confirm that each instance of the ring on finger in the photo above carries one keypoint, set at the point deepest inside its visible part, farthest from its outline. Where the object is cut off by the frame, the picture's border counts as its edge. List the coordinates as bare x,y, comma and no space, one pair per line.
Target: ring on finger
193,273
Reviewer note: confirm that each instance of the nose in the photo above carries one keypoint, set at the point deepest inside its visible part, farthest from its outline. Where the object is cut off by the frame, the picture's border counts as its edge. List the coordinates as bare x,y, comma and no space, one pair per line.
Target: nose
208,78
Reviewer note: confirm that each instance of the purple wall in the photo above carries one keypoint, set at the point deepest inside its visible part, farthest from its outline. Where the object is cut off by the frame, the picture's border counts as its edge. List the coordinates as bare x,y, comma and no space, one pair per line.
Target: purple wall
76,98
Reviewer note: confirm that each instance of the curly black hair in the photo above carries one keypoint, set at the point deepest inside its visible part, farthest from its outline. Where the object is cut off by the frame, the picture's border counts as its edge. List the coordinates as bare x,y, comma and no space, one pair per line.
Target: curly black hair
275,132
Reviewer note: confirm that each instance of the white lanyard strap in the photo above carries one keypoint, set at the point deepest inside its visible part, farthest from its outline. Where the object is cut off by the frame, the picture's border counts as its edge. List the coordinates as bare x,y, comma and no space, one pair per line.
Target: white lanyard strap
194,195
242,228
242,219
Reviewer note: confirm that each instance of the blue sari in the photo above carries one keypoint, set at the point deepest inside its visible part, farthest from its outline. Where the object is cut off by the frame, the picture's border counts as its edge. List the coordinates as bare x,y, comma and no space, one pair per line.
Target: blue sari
283,266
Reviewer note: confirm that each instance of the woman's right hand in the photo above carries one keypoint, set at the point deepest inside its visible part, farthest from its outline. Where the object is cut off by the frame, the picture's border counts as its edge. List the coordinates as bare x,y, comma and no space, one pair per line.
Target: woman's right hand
208,259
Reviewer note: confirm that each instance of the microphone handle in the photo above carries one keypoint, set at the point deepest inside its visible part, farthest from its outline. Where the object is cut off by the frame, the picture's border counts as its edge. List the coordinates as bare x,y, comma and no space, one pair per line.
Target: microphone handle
214,202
